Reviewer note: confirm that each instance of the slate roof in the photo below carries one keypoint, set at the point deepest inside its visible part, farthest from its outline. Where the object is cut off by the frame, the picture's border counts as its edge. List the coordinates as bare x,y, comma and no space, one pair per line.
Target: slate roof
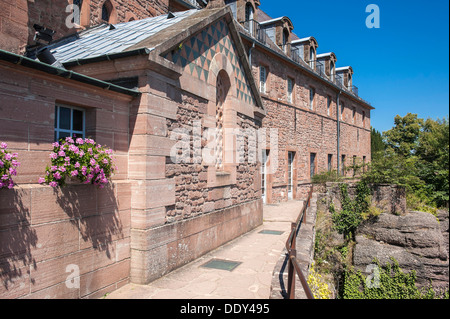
110,39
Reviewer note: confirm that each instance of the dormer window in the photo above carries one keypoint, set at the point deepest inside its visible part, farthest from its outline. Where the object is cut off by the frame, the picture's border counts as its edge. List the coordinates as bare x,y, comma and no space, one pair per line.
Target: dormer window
312,58
249,12
285,40
332,71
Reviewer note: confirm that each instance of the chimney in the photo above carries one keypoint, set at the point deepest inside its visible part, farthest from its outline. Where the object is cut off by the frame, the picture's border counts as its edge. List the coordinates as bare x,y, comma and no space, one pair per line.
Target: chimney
215,4
45,56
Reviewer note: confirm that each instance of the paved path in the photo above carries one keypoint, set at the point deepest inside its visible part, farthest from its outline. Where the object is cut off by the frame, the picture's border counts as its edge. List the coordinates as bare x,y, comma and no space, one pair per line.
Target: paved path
257,252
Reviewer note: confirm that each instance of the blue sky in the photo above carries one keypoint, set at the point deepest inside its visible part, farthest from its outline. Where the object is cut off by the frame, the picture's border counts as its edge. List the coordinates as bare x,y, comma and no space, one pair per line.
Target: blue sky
401,67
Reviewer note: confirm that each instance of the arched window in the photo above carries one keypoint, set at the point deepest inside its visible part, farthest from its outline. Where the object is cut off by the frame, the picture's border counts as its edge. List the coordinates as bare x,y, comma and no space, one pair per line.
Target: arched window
249,17
106,13
222,89
312,57
285,40
248,11
332,70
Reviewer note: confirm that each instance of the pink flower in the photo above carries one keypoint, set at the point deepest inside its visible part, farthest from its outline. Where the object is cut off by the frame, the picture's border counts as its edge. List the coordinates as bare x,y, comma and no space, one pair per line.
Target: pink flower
1,163
62,153
56,144
69,139
77,165
53,184
93,162
57,175
8,157
4,145
53,156
41,180
79,141
74,173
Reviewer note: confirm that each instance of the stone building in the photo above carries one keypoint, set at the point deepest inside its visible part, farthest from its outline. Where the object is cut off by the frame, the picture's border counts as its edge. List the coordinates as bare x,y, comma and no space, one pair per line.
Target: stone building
210,110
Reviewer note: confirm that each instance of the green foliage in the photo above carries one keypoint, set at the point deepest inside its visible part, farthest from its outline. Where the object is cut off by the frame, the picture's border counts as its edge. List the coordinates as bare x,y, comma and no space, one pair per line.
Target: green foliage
389,282
377,144
352,213
329,176
416,157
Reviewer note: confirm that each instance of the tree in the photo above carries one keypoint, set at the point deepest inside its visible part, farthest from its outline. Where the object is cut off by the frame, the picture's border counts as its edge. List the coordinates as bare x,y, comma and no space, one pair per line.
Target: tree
416,156
376,143
404,136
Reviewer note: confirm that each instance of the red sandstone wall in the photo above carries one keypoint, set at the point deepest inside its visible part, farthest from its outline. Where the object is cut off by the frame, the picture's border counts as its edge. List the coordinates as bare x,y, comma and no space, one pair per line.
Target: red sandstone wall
13,25
42,230
17,17
304,130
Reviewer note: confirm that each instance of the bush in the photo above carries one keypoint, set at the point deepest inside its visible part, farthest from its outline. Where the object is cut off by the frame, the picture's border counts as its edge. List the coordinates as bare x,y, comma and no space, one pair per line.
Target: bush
387,282
8,167
324,177
353,211
318,286
82,160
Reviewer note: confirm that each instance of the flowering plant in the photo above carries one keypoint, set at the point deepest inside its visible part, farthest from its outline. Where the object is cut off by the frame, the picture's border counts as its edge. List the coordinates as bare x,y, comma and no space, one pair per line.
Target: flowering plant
8,165
79,159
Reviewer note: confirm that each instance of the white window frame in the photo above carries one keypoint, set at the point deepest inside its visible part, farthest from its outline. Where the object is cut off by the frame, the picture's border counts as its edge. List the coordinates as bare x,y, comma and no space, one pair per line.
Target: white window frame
329,105
290,90
71,131
312,95
262,79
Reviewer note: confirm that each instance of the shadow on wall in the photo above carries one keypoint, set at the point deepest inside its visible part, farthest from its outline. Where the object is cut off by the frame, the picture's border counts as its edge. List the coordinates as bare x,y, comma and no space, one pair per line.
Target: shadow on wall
94,212
17,237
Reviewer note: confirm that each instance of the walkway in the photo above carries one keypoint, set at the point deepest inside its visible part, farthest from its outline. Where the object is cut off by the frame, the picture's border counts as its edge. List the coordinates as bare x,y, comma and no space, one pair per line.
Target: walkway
258,254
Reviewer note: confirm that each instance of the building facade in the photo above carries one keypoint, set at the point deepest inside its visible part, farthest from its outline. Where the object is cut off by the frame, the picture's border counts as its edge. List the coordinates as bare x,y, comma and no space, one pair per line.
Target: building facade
211,110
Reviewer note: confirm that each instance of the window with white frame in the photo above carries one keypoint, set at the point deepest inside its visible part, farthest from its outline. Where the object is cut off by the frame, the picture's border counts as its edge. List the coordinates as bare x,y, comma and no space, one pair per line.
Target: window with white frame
69,121
290,90
262,79
312,93
328,105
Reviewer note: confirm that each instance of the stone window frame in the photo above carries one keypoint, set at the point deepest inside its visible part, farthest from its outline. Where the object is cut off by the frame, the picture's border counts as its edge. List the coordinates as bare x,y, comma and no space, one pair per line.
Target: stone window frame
290,96
329,102
263,90
342,111
71,131
312,172
354,114
294,171
312,98
109,5
330,162
85,12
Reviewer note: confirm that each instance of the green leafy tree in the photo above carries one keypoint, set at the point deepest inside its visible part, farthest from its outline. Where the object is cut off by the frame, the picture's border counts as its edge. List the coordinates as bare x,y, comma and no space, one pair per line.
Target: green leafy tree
416,157
377,144
404,136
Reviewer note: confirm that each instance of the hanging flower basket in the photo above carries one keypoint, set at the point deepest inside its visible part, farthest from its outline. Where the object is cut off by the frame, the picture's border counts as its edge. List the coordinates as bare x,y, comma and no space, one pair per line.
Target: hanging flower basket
79,161
8,166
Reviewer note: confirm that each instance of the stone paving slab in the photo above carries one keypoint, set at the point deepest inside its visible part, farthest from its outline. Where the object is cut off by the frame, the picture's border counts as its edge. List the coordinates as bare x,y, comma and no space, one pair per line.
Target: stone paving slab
252,279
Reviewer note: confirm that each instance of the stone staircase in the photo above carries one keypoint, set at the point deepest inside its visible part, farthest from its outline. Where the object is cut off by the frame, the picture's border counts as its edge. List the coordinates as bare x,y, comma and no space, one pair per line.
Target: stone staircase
305,256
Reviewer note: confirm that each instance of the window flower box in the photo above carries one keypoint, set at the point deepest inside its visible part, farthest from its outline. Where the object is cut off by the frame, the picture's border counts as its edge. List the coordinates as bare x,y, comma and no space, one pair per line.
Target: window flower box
8,167
79,161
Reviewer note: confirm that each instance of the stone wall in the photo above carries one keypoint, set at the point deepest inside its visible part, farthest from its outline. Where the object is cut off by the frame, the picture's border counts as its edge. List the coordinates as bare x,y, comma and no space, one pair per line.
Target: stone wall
53,239
305,130
417,240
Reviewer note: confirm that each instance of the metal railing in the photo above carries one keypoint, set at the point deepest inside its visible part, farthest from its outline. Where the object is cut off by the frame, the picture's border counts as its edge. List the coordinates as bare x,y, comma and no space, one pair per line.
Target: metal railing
293,266
255,30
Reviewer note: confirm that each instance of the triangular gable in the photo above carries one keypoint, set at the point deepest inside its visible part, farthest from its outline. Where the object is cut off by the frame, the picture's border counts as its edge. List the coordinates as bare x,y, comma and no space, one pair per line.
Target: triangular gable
204,35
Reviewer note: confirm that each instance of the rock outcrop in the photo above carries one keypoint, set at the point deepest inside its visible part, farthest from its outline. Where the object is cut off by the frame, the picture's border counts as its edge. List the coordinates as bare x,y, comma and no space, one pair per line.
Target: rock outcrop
417,240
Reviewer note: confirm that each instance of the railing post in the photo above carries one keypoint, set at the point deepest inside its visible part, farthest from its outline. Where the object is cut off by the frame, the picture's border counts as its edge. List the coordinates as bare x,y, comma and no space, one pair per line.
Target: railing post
291,274
291,269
